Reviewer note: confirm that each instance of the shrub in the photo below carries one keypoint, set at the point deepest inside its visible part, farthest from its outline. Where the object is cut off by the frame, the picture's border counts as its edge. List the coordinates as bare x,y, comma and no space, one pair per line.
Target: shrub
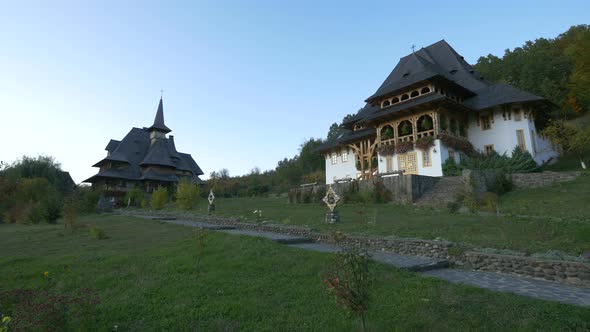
382,195
98,233
488,201
36,213
187,195
133,197
71,210
349,281
159,198
451,168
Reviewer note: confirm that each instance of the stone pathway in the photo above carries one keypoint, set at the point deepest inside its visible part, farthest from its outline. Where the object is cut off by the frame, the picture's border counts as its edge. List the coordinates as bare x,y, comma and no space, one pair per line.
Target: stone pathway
539,289
429,267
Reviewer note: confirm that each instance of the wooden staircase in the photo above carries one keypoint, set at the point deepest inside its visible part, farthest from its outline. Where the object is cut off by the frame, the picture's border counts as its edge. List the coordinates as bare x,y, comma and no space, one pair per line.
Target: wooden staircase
443,192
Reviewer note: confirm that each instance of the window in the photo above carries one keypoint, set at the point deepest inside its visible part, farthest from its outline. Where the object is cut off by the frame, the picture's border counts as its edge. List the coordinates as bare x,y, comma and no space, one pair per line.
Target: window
520,139
488,149
517,114
395,100
426,161
425,90
451,154
334,159
486,122
405,96
344,156
389,164
415,94
386,103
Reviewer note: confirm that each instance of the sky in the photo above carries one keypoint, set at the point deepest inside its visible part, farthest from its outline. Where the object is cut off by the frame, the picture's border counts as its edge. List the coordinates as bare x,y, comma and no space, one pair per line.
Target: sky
245,82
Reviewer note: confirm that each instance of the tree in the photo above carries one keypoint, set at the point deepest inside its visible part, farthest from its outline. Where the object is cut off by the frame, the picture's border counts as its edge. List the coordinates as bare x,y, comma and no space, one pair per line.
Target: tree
187,195
333,131
159,198
570,138
557,69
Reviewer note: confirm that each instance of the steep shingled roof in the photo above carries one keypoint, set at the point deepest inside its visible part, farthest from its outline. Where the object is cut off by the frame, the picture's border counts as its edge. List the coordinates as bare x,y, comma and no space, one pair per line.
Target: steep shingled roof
159,119
436,63
136,151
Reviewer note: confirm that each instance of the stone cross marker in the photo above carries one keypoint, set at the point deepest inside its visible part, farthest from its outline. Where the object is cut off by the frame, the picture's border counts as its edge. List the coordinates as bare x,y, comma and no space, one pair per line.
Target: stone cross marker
331,199
211,199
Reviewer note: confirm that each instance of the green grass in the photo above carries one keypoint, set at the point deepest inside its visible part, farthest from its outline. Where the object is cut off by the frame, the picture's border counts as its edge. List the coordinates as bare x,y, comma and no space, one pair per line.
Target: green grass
568,162
568,201
147,280
501,232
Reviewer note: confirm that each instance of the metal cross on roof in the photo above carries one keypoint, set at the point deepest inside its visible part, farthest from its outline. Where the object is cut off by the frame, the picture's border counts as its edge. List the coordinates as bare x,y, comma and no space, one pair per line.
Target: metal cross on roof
162,93
413,48
211,197
331,199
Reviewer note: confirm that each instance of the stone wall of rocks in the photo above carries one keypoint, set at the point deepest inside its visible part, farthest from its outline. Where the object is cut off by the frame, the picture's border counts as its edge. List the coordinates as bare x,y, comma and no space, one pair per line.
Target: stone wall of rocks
413,247
478,181
576,273
544,179
404,189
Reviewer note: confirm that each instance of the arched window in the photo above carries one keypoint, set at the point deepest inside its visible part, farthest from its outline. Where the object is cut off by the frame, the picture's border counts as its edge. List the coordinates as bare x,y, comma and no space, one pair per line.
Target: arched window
395,100
425,123
387,132
404,128
405,96
425,90
386,103
415,94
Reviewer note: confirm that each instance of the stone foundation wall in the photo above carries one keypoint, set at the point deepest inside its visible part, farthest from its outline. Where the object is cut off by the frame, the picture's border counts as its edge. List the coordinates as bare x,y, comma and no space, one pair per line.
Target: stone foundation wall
571,272
536,180
576,273
404,189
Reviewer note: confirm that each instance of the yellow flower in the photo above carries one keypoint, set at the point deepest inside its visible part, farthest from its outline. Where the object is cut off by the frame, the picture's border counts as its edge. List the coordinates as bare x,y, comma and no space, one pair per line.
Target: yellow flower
46,274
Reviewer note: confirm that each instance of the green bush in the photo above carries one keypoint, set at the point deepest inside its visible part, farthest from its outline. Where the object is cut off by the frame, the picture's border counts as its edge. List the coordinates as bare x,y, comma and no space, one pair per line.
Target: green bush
451,168
133,197
159,198
488,201
98,233
187,195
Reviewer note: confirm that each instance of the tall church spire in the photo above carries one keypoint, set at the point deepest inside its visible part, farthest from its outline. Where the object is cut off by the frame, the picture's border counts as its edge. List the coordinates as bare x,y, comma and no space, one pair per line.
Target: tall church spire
159,120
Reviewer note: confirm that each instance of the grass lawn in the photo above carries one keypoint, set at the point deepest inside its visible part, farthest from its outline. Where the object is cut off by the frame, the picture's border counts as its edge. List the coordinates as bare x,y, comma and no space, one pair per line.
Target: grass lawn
146,278
567,201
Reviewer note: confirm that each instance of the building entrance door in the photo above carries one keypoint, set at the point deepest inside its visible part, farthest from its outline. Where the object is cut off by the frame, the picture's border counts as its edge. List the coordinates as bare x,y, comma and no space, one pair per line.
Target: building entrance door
408,163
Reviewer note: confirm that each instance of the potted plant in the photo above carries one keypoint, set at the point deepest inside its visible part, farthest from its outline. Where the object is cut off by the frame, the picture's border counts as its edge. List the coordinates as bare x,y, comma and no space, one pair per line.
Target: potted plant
403,147
386,150
425,143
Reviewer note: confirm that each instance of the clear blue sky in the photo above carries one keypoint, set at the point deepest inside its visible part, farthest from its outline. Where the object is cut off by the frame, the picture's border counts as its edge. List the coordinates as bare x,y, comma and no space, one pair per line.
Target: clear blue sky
244,82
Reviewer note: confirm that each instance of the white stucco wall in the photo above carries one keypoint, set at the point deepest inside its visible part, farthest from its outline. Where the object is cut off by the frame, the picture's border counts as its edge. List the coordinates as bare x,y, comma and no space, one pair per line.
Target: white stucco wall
436,161
503,135
342,169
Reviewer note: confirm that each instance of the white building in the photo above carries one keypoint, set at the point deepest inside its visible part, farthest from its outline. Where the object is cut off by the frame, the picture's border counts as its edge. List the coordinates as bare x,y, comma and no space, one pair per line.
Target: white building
432,107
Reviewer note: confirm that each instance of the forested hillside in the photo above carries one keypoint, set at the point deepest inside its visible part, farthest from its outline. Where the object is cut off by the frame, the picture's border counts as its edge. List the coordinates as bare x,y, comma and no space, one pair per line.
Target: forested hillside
557,69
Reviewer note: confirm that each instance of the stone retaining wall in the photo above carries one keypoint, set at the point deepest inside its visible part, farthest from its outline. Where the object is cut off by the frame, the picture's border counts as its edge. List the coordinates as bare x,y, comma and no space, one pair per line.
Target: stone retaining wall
404,189
576,273
544,179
